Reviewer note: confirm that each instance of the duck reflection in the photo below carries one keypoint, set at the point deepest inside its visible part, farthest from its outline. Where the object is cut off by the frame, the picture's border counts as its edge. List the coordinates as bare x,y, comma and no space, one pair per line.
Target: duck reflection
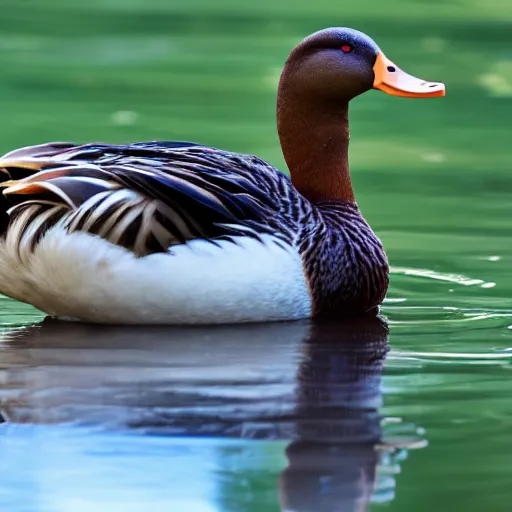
340,459
317,386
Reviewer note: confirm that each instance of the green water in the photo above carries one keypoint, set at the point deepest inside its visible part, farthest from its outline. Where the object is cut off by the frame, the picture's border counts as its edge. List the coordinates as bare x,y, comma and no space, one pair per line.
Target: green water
432,177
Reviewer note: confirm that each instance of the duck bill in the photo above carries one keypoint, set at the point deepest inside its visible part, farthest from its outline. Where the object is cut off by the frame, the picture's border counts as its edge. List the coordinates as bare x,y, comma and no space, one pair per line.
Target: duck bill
392,80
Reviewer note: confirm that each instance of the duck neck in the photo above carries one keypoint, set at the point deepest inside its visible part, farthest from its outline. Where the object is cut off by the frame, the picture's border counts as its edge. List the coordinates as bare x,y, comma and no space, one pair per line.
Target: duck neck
314,137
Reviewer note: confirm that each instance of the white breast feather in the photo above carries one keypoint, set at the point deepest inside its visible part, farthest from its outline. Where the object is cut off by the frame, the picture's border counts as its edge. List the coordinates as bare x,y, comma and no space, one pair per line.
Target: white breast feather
81,276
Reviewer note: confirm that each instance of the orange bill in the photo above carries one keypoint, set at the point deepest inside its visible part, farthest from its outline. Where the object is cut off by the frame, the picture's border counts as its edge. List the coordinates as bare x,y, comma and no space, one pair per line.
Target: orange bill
392,80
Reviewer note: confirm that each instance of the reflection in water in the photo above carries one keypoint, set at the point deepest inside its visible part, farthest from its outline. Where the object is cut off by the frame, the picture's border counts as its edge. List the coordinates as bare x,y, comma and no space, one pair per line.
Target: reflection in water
316,386
334,463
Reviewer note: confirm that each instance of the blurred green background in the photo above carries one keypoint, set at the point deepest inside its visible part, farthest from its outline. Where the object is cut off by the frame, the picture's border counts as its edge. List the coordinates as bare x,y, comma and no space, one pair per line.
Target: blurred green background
432,176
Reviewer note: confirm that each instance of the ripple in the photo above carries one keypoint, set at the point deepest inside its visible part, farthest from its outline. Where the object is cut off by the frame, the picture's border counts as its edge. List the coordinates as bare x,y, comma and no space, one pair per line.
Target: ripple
404,354
456,314
442,276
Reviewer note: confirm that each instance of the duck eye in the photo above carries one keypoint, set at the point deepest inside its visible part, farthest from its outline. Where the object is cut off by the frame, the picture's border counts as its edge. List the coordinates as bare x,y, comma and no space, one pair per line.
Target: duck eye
346,48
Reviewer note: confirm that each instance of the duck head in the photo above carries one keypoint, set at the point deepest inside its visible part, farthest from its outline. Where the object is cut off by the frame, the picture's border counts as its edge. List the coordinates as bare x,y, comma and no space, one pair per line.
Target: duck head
342,63
322,74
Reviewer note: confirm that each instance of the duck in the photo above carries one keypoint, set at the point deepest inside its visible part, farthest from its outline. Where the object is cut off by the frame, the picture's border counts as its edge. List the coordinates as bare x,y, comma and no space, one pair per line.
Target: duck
166,232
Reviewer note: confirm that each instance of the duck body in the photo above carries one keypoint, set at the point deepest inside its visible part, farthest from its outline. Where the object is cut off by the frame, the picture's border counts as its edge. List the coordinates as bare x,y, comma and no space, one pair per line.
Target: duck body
178,233
175,233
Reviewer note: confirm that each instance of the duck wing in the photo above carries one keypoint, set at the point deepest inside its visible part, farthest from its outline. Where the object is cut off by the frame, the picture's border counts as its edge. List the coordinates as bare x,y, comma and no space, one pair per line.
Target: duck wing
145,197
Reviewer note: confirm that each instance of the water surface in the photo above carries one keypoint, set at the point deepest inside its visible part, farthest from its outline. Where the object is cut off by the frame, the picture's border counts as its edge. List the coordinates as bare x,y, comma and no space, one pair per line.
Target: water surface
285,417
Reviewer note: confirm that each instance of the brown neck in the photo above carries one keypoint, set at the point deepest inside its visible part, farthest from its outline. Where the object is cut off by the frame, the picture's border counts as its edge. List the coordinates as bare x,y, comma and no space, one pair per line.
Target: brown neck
314,137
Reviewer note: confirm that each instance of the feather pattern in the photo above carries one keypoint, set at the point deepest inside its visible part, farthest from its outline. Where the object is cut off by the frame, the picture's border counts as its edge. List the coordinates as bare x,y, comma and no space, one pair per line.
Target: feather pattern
147,197
150,197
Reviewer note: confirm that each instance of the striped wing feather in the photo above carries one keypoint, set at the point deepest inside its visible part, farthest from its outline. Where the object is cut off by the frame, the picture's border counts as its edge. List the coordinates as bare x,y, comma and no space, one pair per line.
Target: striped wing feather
145,196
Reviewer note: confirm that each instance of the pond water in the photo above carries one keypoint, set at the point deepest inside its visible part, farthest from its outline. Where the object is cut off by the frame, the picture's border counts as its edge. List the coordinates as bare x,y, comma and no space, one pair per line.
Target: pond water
411,411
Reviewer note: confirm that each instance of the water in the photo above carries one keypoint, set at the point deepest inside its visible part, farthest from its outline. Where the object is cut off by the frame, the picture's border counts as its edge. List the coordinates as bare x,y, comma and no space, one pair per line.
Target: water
230,419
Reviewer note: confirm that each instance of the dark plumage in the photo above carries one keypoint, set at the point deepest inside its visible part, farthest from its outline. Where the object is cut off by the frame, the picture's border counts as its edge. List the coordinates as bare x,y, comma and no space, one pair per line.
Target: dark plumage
195,191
